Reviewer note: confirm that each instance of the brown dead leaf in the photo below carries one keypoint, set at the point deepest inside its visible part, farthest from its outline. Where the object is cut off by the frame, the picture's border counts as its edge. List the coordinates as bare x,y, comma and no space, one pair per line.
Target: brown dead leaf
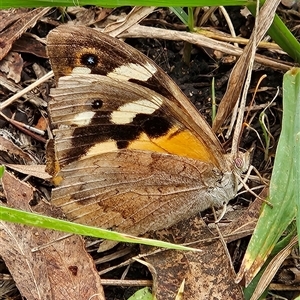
23,21
42,123
12,65
207,275
32,170
272,268
88,16
136,15
60,268
8,149
28,44
8,17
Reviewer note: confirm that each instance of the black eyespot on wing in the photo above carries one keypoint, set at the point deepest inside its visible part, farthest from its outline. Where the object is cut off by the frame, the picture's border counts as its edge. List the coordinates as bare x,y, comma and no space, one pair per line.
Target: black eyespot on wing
89,60
97,104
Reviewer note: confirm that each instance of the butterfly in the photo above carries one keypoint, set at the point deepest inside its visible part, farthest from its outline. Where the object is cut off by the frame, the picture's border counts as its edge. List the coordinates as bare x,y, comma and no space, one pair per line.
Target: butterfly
131,153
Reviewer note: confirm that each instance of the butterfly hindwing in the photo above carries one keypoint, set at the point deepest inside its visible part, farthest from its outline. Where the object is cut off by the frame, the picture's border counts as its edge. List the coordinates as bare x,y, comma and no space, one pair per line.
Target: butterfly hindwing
134,192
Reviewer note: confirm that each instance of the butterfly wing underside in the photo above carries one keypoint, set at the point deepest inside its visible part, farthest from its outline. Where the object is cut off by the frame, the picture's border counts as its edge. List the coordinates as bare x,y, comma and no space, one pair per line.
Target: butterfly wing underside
130,158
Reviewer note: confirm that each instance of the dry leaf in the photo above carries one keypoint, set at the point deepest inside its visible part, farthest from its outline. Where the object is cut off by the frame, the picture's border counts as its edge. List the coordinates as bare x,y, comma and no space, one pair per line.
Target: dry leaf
32,170
23,21
207,275
135,16
12,65
60,269
28,44
9,149
244,224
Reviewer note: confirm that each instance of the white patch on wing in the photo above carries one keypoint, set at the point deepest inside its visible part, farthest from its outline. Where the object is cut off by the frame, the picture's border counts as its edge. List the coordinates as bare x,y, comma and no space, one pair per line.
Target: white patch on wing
120,117
127,112
81,70
133,71
83,119
99,148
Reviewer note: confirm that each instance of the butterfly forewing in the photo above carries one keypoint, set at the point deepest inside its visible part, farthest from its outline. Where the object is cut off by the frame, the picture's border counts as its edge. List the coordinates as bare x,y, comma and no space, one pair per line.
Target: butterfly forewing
101,54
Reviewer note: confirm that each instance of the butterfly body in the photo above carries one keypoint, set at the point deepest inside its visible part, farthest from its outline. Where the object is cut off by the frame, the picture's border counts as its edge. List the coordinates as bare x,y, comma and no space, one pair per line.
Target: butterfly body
133,154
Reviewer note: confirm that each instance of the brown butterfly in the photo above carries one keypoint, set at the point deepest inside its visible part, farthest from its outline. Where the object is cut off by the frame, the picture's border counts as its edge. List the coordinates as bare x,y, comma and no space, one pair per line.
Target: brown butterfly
133,154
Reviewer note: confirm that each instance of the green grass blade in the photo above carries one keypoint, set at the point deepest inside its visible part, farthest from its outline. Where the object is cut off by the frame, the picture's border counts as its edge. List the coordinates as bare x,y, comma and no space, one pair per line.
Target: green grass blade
249,290
191,21
181,14
2,170
32,219
283,186
285,39
282,36
294,81
142,294
115,3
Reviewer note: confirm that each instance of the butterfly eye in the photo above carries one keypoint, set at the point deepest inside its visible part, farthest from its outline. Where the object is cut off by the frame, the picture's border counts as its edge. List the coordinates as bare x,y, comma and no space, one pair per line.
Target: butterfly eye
239,162
89,60
97,104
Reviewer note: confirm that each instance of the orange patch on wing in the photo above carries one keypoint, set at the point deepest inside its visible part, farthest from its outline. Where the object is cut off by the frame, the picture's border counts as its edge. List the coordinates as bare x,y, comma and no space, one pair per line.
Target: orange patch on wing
176,141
